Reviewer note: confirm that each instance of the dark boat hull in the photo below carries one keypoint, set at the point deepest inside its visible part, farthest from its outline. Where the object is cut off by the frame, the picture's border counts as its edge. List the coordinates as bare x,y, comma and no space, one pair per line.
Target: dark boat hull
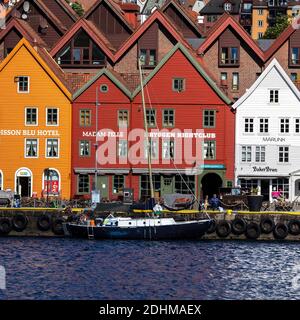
178,231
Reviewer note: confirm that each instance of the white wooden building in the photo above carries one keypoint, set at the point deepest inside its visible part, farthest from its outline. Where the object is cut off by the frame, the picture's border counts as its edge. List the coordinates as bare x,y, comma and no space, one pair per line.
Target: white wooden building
267,136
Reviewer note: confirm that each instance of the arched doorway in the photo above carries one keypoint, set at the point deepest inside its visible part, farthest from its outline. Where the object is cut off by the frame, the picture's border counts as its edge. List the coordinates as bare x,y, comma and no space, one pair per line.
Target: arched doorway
51,182
23,180
211,183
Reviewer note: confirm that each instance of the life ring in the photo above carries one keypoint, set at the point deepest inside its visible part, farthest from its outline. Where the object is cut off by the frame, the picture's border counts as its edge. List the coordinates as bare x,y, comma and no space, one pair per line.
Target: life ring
57,226
238,226
252,231
294,227
267,225
5,226
280,231
212,226
223,229
44,223
19,222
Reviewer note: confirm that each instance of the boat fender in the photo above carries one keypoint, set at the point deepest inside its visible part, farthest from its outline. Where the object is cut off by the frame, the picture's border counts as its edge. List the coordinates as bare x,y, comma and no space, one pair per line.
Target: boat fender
57,226
294,227
267,225
44,223
252,231
280,231
5,226
223,229
212,226
238,226
19,222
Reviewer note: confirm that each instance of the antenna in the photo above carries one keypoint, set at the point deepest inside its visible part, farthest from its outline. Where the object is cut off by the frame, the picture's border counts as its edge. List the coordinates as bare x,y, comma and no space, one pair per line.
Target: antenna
26,6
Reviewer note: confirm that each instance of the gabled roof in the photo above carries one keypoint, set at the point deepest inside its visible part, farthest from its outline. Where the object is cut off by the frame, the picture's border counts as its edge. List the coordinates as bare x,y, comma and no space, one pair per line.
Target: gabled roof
157,16
273,65
109,74
220,26
217,7
68,9
44,60
92,31
114,7
195,64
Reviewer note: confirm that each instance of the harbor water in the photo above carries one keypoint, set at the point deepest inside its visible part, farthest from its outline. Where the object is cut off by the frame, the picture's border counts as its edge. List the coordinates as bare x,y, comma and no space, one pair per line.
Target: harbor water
79,269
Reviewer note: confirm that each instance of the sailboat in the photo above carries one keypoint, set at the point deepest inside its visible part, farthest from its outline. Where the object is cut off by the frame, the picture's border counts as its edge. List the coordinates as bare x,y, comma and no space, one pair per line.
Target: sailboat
150,227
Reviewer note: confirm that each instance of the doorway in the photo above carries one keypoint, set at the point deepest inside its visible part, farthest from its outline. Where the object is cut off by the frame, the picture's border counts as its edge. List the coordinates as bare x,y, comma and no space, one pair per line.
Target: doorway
167,185
102,186
211,183
265,189
24,186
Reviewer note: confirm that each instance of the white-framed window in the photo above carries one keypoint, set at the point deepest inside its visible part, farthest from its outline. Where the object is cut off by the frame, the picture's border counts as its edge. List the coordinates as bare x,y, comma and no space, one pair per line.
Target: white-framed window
122,148
31,148
178,84
123,118
264,125
260,154
274,96
1,180
153,147
284,125
260,12
227,6
249,125
151,117
260,35
283,154
52,116
209,150
168,149
23,84
31,116
168,117
297,125
52,148
84,148
246,153
260,23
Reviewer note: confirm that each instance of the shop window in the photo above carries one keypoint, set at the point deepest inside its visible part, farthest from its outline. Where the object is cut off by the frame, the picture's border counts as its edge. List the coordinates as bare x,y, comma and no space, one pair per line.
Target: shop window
118,183
145,185
51,182
83,184
185,184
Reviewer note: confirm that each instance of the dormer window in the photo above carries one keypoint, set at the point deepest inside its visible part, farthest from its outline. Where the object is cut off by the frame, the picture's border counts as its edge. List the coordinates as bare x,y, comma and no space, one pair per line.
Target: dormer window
227,6
148,58
229,56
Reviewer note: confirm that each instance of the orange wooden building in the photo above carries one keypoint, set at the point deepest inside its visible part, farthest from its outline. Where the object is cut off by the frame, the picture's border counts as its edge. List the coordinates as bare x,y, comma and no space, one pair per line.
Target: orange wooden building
35,124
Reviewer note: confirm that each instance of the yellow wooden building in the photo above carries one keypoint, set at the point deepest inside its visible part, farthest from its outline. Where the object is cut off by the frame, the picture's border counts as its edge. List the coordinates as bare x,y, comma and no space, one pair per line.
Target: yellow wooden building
35,124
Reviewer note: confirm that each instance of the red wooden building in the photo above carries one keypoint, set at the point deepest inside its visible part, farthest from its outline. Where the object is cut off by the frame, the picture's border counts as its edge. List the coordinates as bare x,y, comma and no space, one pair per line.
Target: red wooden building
179,96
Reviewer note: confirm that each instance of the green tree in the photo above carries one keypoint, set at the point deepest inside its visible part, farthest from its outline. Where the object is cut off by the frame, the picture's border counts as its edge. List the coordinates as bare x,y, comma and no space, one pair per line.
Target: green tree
282,22
77,7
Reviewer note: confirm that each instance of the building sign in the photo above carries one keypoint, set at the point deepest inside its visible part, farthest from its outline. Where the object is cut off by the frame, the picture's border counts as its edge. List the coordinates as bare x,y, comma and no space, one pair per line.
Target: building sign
44,133
23,173
213,166
51,187
264,169
273,139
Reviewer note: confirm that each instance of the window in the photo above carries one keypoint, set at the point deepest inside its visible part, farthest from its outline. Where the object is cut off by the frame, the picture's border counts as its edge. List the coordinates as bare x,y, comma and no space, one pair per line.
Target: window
153,147
212,18
168,118
260,154
260,23
294,76
151,117
227,6
23,84
248,184
246,153
235,81
168,149
52,117
263,125
85,118
52,150
249,124
84,148
145,185
274,96
284,125
283,154
118,183
31,116
260,12
178,84
31,148
223,76
51,182
295,52
83,184
209,118
297,125
258,74
104,88
260,35
283,185
229,55
123,118
209,150
122,149
184,184
148,57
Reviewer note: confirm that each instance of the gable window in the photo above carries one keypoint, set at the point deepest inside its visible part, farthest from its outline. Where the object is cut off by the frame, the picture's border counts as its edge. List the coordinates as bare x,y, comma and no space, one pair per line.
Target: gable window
85,118
260,23
274,96
81,50
168,118
295,55
227,6
31,116
229,56
151,117
209,118
284,125
209,150
260,154
83,183
284,154
168,149
84,148
148,58
248,125
263,125
178,84
123,118
297,125
246,153
52,117
122,149
52,148
31,148
235,81
23,84
118,183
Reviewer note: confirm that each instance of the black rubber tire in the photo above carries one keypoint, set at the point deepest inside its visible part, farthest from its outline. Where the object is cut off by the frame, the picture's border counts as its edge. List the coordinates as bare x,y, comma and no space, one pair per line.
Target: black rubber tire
267,225
223,229
5,226
238,226
19,222
57,227
44,223
252,231
294,227
280,231
212,227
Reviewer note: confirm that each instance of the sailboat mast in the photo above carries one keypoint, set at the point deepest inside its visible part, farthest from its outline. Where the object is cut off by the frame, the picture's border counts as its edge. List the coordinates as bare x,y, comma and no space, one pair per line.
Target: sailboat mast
147,134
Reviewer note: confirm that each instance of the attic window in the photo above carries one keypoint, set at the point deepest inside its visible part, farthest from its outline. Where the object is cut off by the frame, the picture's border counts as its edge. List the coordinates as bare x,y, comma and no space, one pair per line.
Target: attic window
104,88
227,6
